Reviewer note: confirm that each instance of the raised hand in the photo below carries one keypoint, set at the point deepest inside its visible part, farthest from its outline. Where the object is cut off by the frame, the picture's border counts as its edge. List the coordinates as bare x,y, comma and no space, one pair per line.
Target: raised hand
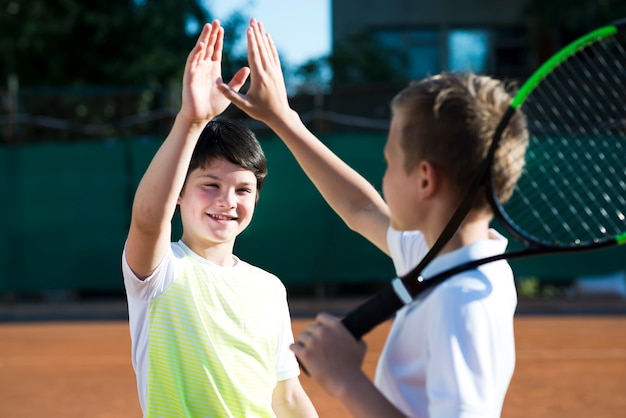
203,72
266,99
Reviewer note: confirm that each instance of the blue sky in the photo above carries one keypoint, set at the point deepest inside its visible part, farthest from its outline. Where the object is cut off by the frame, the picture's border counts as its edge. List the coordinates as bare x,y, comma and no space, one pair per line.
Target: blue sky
300,28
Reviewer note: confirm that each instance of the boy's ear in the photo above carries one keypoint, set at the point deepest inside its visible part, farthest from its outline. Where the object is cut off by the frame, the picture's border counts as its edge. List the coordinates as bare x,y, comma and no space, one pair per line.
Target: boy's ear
427,179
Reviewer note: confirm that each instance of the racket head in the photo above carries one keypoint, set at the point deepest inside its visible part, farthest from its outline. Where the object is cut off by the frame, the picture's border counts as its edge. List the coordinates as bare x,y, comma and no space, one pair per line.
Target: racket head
571,191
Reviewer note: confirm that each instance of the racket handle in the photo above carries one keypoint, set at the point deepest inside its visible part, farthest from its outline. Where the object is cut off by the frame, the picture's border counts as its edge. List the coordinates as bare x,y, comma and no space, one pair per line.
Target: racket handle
373,312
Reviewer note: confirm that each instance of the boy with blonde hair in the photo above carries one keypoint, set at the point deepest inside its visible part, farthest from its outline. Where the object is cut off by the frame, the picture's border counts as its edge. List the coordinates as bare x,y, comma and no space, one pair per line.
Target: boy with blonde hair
451,351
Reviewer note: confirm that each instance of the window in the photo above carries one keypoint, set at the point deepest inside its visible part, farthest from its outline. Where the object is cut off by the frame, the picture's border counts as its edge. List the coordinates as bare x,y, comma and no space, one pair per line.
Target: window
468,50
497,50
421,47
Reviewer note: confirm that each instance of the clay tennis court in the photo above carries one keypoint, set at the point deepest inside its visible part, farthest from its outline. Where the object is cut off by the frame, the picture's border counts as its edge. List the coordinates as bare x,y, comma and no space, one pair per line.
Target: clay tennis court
567,366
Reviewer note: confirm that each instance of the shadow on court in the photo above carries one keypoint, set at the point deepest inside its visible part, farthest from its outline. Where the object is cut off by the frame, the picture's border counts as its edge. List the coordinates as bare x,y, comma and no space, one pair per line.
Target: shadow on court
567,366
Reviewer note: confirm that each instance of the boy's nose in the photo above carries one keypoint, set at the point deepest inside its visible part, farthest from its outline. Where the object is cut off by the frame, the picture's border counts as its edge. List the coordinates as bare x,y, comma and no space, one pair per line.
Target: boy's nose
227,199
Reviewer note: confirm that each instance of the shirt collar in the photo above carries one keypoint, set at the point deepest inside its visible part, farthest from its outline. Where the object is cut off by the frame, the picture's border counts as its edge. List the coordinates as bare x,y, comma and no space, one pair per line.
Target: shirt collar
495,244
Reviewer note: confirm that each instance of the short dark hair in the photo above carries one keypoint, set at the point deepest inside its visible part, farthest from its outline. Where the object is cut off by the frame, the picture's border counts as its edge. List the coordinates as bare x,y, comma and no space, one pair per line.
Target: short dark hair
230,140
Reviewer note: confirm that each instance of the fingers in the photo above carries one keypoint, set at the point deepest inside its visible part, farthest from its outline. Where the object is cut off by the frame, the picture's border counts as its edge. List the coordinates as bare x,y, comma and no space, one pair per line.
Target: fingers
305,343
261,41
219,46
310,335
231,90
328,352
209,45
267,48
262,52
239,79
254,54
215,42
198,50
324,318
266,97
273,52
205,33
325,326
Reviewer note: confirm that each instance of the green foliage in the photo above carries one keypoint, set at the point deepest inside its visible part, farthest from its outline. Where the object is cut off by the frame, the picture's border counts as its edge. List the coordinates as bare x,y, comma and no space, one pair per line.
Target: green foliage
528,287
114,42
538,288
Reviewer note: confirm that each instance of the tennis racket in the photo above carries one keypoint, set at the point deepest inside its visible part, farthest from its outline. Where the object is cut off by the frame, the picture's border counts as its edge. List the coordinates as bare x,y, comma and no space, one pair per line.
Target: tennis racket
571,195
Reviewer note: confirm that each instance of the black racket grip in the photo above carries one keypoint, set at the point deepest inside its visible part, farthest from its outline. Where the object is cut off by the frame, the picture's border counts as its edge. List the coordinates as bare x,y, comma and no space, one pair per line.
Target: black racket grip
373,312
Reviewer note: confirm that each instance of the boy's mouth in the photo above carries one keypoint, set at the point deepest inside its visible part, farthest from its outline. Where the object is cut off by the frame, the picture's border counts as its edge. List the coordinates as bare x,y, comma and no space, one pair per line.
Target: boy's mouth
222,217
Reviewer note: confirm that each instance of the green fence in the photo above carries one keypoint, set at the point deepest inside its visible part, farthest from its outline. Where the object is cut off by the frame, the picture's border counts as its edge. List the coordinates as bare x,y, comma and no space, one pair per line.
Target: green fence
64,212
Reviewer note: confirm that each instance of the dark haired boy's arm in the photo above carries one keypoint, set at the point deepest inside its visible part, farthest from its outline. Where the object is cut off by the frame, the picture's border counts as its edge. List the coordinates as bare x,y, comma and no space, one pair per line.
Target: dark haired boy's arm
290,400
346,191
157,195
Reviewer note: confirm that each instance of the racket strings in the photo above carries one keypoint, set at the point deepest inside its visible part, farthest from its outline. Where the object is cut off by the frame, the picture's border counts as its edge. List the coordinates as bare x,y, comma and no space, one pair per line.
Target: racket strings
611,114
573,186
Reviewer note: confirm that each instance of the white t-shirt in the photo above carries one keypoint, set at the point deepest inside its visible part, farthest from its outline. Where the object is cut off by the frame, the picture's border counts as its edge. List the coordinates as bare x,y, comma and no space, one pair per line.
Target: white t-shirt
208,340
451,352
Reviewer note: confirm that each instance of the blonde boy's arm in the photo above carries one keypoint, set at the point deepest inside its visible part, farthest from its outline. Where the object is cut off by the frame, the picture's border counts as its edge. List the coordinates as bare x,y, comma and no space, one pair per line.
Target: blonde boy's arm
290,400
332,356
158,191
354,199
346,191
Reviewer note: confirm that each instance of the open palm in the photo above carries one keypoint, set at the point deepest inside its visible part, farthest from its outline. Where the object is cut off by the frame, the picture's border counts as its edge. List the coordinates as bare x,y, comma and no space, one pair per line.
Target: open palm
203,71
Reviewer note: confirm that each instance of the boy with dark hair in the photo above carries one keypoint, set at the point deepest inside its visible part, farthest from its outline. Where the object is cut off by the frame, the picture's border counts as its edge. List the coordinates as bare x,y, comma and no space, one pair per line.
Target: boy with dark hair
210,332
450,352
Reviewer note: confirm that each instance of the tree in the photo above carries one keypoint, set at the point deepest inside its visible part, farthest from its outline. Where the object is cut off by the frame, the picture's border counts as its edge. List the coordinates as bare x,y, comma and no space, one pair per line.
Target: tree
110,42
101,68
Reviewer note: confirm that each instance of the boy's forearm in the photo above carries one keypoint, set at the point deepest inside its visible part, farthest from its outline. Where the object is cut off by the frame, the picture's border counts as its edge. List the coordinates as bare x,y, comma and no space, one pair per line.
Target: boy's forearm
344,188
300,410
289,400
364,400
354,199
160,186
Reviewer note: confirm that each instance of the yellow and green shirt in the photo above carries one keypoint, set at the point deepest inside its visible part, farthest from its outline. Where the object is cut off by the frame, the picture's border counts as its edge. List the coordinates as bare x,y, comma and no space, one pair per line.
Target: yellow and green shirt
208,341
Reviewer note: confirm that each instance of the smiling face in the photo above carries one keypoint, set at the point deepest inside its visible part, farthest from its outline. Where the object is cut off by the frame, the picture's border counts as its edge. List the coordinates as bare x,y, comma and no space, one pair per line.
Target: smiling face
216,205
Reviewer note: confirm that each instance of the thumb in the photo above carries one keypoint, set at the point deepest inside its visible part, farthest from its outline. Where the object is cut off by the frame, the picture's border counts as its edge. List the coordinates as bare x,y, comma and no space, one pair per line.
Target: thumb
239,78
231,92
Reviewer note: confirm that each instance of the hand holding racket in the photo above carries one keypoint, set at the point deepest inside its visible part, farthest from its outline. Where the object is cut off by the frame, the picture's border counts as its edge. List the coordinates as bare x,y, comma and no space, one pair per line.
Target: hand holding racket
571,195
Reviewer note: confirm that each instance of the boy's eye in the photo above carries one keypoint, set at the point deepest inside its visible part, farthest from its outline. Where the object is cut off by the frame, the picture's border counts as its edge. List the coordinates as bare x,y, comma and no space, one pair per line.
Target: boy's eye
245,190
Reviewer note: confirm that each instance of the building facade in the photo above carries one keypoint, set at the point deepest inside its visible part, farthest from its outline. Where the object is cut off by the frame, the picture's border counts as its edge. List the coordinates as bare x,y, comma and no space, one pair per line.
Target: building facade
485,36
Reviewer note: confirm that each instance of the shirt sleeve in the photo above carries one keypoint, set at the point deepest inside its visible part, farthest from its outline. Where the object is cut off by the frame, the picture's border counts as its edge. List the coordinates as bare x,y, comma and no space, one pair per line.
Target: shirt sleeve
286,363
153,285
407,248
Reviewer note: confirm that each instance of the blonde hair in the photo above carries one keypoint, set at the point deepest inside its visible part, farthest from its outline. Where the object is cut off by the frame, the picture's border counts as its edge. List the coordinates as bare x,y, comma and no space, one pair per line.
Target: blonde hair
451,119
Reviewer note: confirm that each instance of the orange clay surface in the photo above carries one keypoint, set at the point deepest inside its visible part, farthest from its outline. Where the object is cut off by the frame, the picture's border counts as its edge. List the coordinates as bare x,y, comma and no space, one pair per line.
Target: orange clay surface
567,366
